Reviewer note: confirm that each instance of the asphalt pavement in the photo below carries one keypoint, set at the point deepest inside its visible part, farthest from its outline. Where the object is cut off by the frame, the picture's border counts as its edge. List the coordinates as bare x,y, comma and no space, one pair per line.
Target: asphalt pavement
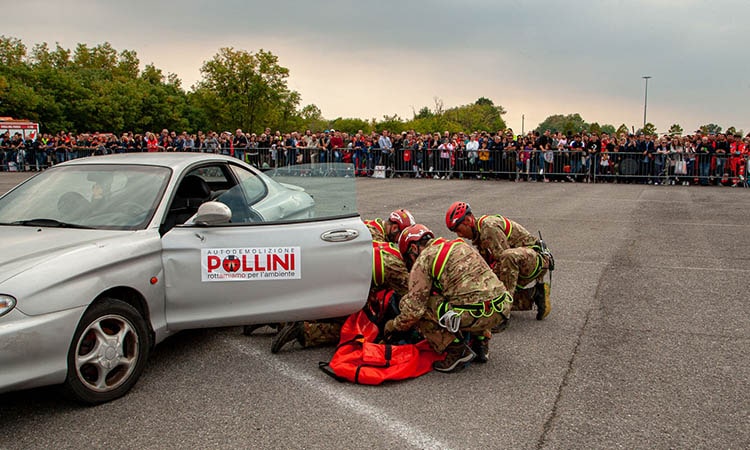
647,345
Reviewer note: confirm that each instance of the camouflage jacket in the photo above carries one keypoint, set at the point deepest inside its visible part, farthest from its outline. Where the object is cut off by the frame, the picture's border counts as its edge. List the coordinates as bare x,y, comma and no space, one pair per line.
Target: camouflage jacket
388,269
465,278
496,233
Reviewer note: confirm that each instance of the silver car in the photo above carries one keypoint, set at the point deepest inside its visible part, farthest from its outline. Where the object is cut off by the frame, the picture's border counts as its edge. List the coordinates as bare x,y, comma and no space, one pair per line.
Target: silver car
101,258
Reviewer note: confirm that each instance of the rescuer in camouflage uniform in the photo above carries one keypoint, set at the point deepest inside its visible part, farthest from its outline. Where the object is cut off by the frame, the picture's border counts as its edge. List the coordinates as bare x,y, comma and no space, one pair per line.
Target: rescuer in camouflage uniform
382,231
388,231
453,296
388,273
518,258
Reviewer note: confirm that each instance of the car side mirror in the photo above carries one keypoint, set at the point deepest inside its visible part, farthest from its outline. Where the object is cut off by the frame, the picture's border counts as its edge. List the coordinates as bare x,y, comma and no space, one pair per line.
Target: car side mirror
213,213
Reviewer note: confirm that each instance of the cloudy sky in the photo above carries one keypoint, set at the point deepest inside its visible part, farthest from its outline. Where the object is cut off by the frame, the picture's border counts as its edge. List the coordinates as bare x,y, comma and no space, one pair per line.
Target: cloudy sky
367,59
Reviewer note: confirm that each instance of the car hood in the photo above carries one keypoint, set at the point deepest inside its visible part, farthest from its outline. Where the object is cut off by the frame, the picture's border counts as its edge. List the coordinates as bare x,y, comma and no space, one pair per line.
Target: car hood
22,248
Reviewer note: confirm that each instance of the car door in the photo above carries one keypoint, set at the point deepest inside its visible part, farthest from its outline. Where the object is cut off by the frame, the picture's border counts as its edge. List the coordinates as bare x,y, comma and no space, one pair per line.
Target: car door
273,270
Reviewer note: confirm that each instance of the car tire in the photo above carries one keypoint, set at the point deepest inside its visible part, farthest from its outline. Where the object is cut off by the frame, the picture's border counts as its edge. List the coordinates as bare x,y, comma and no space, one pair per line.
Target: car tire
108,352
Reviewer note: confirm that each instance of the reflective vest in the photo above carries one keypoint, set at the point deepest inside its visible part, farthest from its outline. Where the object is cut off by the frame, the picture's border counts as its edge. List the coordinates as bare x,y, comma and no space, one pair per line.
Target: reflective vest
507,225
378,265
377,224
438,264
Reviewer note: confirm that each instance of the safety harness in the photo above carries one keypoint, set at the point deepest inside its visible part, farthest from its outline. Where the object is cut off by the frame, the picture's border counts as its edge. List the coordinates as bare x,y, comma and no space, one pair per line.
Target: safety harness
449,316
446,247
378,264
539,247
542,252
479,309
507,225
537,269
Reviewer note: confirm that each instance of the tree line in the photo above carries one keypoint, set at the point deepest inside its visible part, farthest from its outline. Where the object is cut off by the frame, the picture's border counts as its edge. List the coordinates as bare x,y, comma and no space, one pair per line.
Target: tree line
97,88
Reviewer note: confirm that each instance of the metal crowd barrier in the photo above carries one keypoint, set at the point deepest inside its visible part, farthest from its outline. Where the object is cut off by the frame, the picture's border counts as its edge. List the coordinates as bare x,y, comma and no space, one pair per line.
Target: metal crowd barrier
574,166
533,165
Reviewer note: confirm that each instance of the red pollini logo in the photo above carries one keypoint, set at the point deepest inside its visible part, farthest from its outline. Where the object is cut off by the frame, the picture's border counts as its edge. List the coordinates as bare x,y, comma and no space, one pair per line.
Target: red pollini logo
231,263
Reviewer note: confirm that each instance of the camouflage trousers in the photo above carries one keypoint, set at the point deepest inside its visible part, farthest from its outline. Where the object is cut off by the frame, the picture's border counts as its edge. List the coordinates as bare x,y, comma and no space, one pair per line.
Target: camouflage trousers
327,332
322,332
440,337
519,267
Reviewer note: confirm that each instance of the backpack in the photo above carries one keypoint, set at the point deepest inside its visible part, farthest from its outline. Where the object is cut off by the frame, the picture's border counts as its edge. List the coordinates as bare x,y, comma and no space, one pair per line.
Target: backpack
362,358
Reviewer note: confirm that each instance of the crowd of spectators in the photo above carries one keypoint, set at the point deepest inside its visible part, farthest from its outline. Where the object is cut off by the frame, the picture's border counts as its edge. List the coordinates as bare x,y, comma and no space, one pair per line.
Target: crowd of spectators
699,158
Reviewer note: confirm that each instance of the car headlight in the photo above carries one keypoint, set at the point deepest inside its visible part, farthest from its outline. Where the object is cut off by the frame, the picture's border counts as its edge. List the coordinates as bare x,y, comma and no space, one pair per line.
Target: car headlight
6,304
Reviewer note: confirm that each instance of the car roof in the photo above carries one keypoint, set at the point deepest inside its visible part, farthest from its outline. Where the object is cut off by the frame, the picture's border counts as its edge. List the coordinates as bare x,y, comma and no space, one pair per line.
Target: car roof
175,160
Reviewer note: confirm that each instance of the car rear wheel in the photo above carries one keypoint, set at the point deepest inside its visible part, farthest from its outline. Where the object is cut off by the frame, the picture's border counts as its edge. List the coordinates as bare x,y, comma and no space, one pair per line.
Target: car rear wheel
108,352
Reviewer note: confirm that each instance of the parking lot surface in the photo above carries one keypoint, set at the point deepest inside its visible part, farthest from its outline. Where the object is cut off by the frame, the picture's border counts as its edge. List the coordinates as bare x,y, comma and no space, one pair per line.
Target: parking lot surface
647,345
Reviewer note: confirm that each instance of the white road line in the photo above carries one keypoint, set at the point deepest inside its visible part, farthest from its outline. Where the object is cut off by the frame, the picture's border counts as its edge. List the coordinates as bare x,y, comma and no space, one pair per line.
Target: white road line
413,436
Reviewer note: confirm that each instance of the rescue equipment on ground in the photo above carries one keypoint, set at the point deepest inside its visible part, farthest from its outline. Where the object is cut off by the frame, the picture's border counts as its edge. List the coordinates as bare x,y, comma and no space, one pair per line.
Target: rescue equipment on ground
361,357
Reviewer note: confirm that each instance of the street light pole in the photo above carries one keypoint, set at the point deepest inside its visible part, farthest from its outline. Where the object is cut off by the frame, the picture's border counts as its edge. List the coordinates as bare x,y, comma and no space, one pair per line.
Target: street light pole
645,100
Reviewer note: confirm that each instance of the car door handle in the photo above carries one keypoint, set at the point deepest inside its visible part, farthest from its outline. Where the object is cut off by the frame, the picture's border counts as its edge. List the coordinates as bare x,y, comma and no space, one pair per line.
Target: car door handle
339,235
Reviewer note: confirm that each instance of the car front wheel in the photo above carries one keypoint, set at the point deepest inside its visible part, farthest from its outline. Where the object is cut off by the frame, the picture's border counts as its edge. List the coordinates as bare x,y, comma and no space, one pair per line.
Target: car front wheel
108,352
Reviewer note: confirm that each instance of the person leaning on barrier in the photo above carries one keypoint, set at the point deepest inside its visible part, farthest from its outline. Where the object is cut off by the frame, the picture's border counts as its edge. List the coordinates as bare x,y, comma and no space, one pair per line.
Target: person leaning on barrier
454,299
388,231
519,259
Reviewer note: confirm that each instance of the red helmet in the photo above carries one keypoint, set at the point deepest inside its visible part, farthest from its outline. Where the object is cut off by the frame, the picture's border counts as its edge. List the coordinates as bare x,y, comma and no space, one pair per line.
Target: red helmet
412,234
402,218
456,214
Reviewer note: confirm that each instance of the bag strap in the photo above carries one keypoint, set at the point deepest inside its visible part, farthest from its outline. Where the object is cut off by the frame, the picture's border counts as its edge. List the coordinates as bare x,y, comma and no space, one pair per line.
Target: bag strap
326,366
388,355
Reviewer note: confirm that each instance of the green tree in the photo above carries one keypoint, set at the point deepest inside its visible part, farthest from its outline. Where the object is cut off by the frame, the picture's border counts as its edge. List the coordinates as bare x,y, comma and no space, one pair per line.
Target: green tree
127,65
312,119
675,130
710,128
424,113
623,130
484,101
43,57
350,125
12,51
251,88
649,129
567,124
393,123
482,115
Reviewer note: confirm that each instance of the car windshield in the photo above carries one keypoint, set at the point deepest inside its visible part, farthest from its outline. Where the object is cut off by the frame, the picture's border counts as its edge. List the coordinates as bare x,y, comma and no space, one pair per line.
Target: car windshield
97,196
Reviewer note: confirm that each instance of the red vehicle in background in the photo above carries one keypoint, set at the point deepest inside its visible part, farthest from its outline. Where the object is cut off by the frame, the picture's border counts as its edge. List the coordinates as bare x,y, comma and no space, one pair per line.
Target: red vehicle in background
29,130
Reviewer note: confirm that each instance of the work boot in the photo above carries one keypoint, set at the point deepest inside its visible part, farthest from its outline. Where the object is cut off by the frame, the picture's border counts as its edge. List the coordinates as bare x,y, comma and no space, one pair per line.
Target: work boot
247,330
541,300
481,346
457,354
292,331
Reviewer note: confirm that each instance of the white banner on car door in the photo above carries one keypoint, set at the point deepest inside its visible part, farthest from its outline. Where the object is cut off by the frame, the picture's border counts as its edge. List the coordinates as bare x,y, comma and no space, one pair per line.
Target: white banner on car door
252,263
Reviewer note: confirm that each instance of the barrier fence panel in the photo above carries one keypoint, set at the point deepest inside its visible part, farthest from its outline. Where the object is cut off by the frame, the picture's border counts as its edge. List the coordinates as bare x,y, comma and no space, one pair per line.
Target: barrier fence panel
571,166
489,164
